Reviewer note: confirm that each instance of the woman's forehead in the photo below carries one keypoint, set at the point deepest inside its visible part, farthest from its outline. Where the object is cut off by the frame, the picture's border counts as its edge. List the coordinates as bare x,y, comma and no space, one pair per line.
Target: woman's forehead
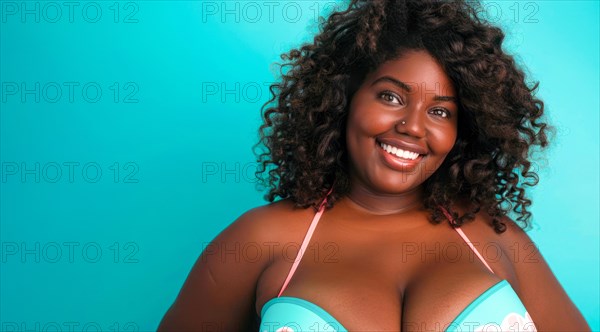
413,71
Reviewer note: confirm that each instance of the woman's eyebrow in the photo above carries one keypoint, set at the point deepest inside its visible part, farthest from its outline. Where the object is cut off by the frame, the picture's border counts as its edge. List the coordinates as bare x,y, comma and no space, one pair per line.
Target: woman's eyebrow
394,81
407,88
445,98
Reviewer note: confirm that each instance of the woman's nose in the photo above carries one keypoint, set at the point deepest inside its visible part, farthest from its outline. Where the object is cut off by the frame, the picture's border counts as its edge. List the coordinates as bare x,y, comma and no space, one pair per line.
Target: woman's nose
412,122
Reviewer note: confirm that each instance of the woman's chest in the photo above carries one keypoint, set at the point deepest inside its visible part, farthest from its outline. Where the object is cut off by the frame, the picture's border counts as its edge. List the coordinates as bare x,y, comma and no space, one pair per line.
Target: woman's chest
384,282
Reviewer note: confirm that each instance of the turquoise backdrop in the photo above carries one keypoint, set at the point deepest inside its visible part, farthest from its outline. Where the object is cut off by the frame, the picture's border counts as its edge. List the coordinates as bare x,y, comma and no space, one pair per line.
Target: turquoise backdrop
126,134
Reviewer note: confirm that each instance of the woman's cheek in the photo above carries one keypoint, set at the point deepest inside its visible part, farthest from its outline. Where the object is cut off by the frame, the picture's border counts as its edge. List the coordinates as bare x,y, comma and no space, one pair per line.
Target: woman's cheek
442,142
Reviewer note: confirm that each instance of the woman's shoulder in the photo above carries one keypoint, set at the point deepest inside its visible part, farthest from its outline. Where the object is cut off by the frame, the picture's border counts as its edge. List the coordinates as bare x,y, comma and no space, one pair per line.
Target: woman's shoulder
509,248
272,222
483,223
512,235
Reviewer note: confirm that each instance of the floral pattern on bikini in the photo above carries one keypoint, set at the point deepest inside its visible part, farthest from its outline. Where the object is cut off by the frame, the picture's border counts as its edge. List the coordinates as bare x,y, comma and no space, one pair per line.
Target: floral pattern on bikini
285,329
512,322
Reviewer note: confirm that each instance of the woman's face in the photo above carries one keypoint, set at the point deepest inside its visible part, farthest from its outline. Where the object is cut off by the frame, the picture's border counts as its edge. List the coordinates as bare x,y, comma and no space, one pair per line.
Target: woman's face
409,105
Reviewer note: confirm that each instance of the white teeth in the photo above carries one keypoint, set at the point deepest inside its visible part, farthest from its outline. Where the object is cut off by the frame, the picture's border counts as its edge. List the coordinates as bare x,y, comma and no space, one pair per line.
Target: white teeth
399,152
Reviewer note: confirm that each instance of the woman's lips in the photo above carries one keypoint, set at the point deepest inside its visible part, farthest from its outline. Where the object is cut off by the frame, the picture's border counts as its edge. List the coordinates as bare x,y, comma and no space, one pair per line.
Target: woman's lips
398,163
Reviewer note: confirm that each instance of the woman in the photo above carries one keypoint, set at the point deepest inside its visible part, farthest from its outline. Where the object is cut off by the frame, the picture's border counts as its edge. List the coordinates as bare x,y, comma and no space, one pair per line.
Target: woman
403,133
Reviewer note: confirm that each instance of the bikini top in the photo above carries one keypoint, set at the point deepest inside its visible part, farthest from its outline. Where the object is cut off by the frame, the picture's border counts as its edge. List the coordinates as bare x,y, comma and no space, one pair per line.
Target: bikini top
496,309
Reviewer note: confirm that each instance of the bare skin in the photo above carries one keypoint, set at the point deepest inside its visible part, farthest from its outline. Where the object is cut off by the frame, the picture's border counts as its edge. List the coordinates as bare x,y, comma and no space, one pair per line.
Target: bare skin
375,262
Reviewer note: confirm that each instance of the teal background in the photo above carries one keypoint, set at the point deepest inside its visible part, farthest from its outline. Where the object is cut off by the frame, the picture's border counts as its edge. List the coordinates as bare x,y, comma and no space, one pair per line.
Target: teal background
113,252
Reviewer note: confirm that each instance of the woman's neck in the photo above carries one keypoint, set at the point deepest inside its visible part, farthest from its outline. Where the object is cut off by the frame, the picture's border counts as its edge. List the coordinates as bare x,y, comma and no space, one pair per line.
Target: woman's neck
375,203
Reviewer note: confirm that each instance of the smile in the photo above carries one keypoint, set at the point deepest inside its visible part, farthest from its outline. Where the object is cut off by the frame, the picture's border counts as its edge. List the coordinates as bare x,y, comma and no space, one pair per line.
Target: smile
395,158
404,154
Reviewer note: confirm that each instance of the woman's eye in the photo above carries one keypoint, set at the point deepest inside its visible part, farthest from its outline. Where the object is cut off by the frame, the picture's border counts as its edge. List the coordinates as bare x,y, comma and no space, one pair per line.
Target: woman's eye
441,112
390,97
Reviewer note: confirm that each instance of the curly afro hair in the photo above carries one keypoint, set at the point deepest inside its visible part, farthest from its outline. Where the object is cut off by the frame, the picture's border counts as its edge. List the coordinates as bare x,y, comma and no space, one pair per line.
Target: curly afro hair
499,116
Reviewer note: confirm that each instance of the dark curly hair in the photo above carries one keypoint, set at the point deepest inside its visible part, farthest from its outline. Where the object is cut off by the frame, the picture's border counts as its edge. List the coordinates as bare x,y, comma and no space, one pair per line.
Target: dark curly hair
499,115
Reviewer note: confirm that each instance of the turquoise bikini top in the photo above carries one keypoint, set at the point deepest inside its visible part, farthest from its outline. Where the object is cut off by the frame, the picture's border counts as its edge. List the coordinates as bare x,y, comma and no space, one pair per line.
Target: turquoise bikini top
497,309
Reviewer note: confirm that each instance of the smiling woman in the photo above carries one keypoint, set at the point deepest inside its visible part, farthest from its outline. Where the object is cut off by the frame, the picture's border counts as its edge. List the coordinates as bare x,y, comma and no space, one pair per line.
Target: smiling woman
400,127
403,132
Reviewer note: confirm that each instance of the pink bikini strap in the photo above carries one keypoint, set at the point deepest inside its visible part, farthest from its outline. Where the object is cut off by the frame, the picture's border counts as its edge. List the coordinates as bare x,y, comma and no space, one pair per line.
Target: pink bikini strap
464,236
305,242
